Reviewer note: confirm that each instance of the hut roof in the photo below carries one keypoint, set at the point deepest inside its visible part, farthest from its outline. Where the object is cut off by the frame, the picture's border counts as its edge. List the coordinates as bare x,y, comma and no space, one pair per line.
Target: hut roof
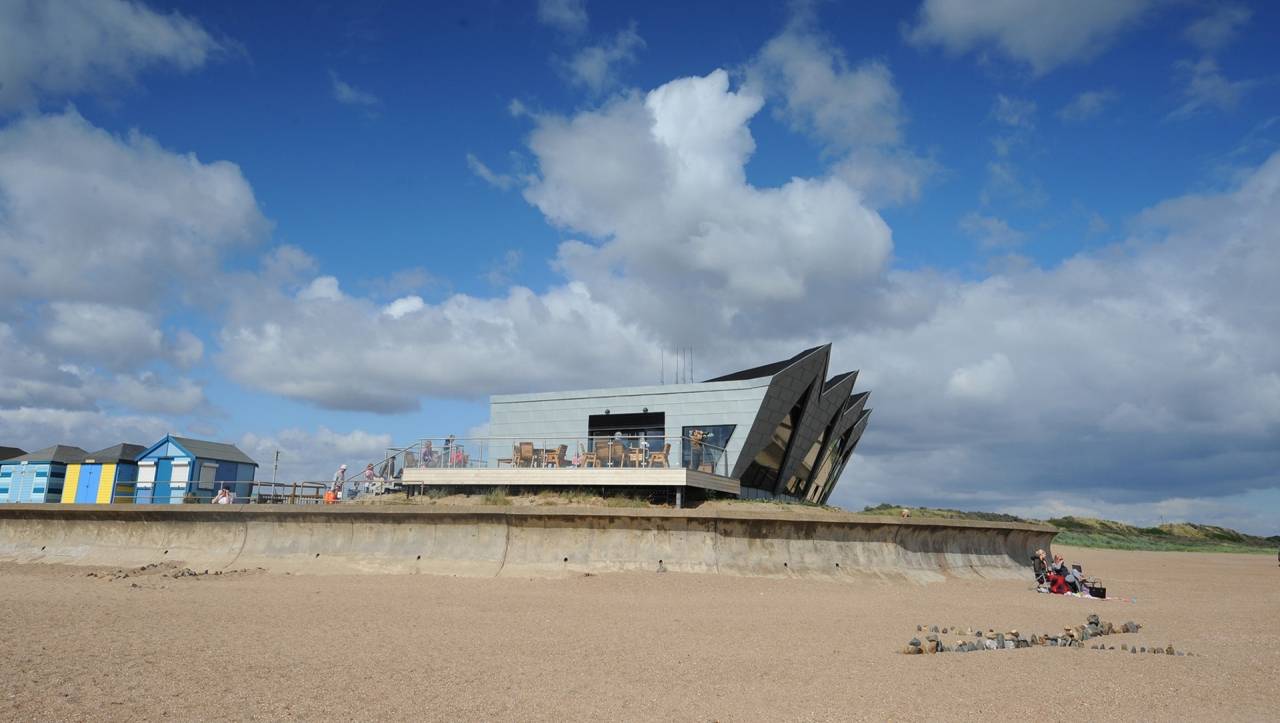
214,450
117,453
62,453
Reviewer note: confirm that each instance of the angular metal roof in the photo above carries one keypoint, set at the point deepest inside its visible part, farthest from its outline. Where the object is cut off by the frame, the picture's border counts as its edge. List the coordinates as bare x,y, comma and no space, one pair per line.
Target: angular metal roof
117,453
766,370
214,450
10,453
61,453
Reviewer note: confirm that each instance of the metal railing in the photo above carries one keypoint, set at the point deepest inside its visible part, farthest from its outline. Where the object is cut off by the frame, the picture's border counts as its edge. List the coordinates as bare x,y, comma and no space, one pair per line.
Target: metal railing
619,451
207,493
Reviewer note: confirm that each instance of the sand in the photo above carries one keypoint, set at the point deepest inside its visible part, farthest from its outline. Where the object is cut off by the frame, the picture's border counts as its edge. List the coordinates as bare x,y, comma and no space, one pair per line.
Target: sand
629,647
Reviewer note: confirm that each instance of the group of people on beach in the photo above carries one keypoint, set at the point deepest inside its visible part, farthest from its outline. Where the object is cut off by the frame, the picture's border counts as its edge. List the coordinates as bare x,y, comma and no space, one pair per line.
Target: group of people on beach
1056,576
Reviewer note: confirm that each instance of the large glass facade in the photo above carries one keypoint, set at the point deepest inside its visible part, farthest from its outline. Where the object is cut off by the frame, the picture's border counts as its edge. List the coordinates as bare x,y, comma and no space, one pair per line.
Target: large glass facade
799,483
822,477
703,446
763,471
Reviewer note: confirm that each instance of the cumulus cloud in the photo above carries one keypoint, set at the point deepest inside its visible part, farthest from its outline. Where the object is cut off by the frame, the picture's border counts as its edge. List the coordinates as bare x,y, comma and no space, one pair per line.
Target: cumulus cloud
404,305
348,353
61,47
854,110
1125,376
92,229
1086,104
1045,34
314,455
79,203
569,16
596,67
36,427
148,392
114,336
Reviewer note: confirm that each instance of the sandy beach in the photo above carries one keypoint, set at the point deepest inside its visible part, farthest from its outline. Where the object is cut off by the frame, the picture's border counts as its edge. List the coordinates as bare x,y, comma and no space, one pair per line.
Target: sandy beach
254,644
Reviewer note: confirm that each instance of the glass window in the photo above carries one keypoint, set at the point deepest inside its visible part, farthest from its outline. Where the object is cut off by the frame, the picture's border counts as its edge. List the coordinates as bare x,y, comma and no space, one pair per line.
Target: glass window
703,446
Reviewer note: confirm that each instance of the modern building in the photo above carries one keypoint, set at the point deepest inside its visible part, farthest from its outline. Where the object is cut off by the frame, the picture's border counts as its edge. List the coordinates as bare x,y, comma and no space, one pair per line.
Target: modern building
783,430
37,476
177,469
106,476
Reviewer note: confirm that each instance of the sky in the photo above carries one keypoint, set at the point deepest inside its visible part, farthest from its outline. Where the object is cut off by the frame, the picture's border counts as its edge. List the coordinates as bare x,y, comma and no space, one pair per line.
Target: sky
1045,233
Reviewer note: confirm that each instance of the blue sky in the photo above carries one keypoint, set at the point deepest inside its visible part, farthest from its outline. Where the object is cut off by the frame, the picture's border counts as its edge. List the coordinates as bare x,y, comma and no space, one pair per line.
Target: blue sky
1044,234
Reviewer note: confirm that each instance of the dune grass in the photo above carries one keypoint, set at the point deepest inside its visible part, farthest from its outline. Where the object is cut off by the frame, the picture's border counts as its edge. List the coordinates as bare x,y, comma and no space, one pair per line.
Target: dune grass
1109,534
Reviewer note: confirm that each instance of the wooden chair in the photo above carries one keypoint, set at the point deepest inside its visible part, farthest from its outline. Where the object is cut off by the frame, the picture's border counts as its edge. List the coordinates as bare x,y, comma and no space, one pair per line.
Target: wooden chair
524,458
661,459
589,459
554,457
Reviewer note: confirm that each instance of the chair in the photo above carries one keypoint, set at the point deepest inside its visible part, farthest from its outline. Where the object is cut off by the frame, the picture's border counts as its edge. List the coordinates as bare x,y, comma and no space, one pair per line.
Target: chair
524,457
661,459
617,450
589,459
554,457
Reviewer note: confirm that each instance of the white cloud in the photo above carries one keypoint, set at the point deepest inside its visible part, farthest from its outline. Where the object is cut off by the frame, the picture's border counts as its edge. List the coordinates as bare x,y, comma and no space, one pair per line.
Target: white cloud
61,47
1086,104
113,336
78,203
1135,373
1218,28
989,380
991,232
185,349
314,456
1207,88
33,427
148,392
347,354
569,16
1045,34
404,305
854,110
102,237
596,67
659,181
347,94
321,288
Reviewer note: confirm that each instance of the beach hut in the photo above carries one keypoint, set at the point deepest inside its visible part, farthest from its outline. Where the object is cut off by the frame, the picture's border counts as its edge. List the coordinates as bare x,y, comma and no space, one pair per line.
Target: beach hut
178,469
105,476
37,476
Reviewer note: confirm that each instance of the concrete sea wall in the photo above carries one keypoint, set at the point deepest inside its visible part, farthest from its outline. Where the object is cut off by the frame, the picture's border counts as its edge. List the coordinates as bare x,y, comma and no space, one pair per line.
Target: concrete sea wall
489,541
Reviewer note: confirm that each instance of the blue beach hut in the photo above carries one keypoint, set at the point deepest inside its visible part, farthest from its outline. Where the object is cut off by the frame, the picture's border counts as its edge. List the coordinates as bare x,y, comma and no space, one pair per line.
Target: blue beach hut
106,476
37,476
178,469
